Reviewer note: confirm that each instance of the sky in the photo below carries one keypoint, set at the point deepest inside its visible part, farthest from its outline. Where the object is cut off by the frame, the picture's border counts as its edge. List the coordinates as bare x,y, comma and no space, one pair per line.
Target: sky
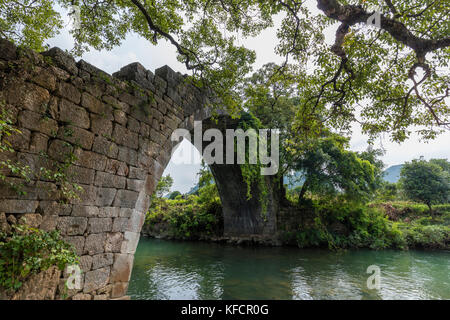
136,49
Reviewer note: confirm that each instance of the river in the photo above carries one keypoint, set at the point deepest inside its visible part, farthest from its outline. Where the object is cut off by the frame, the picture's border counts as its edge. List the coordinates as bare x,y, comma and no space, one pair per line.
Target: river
171,270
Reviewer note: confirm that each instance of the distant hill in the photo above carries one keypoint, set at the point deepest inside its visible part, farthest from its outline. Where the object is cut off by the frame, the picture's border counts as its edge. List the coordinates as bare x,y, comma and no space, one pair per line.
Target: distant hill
193,190
392,174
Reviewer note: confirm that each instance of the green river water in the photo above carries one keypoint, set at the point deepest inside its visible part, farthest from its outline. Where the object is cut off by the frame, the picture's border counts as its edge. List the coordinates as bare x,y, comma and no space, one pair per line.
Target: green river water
170,270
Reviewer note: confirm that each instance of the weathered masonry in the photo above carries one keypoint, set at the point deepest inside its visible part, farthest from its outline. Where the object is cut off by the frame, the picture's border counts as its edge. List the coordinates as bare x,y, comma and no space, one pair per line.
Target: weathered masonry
115,132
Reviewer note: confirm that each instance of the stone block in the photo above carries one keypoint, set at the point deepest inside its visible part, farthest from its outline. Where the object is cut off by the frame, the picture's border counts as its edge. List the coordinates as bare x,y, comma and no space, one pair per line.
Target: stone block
125,137
113,102
59,150
99,225
135,185
44,78
49,223
102,260
117,167
128,155
129,99
36,122
125,212
95,244
120,224
119,289
88,196
96,279
105,147
29,96
31,219
100,125
54,208
19,141
82,296
47,191
80,175
120,117
133,125
76,136
94,105
93,70
103,179
18,206
136,221
38,143
131,240
105,290
144,160
72,114
114,242
109,212
89,159
77,242
62,59
86,263
72,226
85,211
8,51
59,73
126,198
105,197
121,270
94,88
136,173
69,92
40,286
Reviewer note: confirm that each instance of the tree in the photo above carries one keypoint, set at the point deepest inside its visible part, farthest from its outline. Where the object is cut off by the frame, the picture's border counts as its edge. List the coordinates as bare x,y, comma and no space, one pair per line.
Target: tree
373,156
174,195
329,169
389,78
163,187
443,163
29,22
425,182
388,191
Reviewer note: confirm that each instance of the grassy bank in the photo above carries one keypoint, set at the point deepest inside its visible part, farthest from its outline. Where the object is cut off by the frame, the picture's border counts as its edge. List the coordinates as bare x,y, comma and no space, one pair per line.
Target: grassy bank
400,225
188,218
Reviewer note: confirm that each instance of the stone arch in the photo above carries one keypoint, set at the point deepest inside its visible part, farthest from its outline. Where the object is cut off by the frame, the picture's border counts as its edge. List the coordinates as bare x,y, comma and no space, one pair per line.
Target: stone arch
118,128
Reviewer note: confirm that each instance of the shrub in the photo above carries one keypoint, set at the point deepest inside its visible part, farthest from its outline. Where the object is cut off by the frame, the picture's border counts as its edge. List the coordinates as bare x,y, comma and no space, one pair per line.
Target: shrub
25,251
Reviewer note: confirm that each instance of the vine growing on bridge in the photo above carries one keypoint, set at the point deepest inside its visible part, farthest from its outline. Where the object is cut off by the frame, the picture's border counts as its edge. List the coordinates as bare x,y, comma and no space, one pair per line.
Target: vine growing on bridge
25,251
251,173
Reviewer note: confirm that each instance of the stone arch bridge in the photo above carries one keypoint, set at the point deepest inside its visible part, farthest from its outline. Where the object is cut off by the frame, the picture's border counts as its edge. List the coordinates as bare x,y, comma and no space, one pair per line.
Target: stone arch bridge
117,130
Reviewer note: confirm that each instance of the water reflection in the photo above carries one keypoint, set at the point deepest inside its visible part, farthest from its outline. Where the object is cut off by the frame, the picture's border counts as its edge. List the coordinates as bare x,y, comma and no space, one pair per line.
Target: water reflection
165,270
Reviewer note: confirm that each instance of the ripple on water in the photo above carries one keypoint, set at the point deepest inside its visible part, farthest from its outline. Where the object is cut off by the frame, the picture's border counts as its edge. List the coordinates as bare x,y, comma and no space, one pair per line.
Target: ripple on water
165,270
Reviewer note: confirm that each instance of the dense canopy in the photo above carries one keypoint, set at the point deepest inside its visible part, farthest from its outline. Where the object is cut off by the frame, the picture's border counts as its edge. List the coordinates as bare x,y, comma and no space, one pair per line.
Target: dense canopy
391,77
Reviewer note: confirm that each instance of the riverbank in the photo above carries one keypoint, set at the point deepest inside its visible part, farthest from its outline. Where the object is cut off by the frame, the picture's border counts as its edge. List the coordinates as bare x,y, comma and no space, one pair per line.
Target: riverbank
396,225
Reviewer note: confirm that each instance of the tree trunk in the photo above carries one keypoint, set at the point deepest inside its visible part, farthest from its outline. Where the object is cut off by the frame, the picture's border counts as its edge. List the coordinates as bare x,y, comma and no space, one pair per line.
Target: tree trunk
301,196
429,207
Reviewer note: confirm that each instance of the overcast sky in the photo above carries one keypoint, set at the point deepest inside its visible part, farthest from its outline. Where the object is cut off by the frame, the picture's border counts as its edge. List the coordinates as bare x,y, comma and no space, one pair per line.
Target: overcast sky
152,57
